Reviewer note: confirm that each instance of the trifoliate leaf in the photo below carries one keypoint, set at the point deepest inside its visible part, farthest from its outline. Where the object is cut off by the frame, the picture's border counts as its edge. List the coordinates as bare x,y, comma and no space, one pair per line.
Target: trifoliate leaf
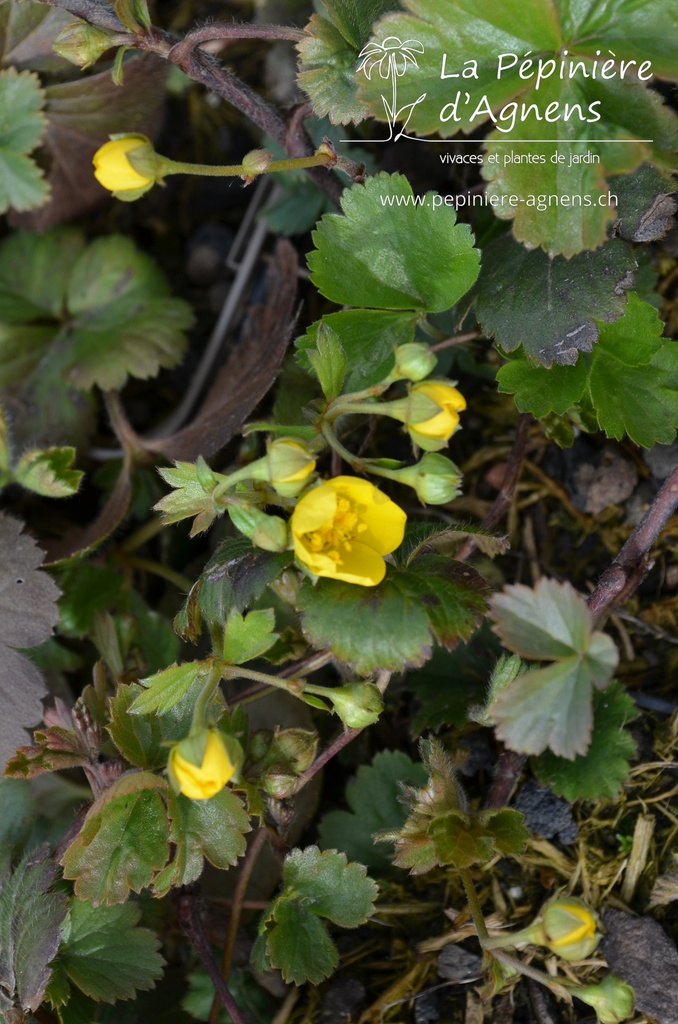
551,306
384,253
48,471
551,706
123,843
22,183
464,839
248,637
106,954
110,310
30,918
373,799
394,624
599,773
479,66
191,497
28,612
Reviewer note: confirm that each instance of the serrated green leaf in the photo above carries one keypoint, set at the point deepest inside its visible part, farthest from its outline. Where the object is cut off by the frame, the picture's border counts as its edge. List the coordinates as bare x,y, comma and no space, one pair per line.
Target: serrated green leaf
30,919
48,472
189,498
630,29
383,253
166,688
299,946
599,773
539,390
549,621
248,637
138,737
327,72
22,127
633,381
441,703
457,842
330,886
213,829
328,360
123,843
551,306
393,625
368,337
106,954
373,799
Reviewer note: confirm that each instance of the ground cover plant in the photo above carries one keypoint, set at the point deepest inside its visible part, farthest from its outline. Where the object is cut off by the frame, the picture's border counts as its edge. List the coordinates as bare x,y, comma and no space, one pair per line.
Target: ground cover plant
339,485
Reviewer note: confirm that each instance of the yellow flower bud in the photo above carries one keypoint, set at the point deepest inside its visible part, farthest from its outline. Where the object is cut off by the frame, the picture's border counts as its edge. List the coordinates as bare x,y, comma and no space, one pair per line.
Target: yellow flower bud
113,169
433,432
199,766
290,464
570,928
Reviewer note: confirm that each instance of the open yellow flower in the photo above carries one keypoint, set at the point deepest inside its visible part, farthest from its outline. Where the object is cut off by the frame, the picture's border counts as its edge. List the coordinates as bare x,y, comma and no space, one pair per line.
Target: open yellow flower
434,432
343,528
113,170
199,766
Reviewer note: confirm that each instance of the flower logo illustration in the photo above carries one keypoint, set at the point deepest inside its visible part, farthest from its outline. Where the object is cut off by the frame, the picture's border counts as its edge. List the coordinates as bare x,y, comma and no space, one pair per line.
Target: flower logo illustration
391,59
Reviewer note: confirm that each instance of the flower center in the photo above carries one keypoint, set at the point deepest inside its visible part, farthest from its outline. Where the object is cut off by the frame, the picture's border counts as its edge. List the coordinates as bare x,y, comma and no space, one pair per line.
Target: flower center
333,537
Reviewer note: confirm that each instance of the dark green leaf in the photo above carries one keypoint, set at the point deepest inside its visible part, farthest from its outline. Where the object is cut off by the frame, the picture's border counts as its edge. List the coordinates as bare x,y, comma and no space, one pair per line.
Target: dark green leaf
22,183
330,886
645,206
18,813
123,843
87,589
373,799
106,955
392,256
551,306
299,946
138,737
599,773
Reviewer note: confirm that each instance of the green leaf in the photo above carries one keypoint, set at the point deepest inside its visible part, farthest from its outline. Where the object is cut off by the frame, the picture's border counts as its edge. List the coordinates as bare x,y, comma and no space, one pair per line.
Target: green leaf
354,18
386,254
368,338
190,497
457,842
599,773
551,306
393,625
539,390
49,472
441,703
106,954
248,637
551,706
165,689
30,919
22,184
330,886
133,14
328,360
472,38
123,843
138,737
213,829
298,945
18,813
645,206
235,576
373,799
633,382
87,589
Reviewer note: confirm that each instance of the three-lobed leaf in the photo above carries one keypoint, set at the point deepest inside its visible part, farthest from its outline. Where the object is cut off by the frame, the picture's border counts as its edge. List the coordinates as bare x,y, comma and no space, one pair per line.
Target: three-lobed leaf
22,183
249,636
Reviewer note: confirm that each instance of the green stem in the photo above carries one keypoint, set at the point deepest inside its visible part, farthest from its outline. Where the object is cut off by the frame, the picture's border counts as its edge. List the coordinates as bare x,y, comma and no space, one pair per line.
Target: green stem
474,906
205,696
239,170
333,441
531,972
182,583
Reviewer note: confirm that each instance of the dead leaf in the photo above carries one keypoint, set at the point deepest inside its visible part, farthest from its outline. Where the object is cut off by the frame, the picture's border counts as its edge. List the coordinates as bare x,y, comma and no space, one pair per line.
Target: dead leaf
250,371
28,613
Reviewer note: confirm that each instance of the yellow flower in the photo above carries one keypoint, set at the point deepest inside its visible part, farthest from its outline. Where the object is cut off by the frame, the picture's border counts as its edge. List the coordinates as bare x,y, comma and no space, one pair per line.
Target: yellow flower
343,528
113,170
290,464
434,431
570,928
199,766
